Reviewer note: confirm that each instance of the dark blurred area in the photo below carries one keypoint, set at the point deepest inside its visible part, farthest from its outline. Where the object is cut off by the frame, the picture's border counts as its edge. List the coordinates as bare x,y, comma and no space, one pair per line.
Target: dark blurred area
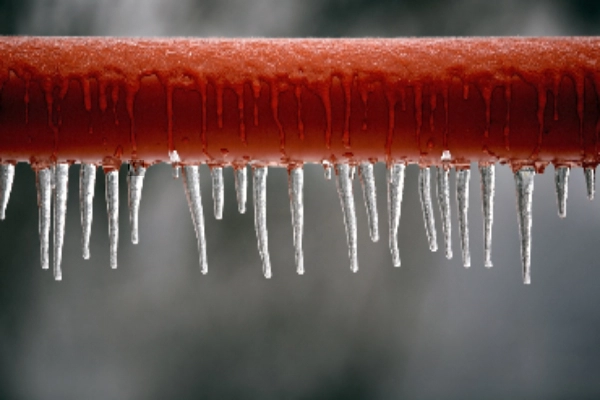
156,328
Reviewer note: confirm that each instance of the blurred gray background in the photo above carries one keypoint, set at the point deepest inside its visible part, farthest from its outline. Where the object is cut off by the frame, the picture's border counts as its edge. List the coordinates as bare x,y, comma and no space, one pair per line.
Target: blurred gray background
156,328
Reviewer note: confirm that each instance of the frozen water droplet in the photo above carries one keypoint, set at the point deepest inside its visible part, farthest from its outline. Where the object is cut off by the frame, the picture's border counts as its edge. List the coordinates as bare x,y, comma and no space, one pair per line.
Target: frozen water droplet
135,183
218,191
44,195
463,177
426,206
590,181
175,161
446,156
443,196
367,181
488,191
395,183
561,179
327,169
241,188
344,187
296,187
191,184
61,181
260,217
524,185
87,183
7,175
112,208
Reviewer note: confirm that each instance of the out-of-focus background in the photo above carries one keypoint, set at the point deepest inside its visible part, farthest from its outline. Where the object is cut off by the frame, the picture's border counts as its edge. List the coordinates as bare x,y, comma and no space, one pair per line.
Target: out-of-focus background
156,328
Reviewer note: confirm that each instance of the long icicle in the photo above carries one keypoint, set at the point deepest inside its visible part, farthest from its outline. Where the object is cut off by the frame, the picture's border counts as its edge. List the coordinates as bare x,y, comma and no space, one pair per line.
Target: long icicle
443,197
218,191
135,184
61,182
561,180
426,206
112,208
524,185
7,176
241,188
488,192
87,183
395,187
44,197
295,189
463,177
344,186
191,184
260,217
590,181
367,182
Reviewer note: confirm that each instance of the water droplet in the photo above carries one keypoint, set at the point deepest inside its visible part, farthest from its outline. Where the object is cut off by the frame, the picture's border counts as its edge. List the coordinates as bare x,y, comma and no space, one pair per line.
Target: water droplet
590,181
191,184
218,191
135,183
524,185
7,175
61,181
561,180
463,177
87,183
367,181
296,186
260,217
395,183
344,187
426,206
443,197
44,195
241,188
488,191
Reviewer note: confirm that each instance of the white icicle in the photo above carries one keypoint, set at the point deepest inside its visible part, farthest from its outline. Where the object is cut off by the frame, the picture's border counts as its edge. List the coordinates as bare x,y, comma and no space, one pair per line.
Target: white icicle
44,198
327,169
135,183
367,181
61,181
488,191
395,187
426,206
296,187
463,177
561,180
112,207
443,197
218,191
590,181
87,183
191,184
524,185
7,176
344,187
175,160
260,217
241,188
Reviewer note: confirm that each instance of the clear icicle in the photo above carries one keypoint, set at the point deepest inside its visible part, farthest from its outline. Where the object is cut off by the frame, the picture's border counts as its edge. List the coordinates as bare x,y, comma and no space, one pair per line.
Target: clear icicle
463,177
135,183
488,191
260,217
87,183
112,207
426,206
443,197
241,188
561,180
296,186
191,184
395,183
327,169
344,186
524,185
44,198
590,181
61,181
175,160
218,191
367,181
7,176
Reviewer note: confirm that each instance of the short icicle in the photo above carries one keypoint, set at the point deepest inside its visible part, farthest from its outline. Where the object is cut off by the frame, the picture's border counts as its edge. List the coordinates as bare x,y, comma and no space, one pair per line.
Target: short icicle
463,177
488,192
218,191
260,217
344,187
175,161
395,187
367,181
561,180
327,170
87,183
296,188
135,183
61,182
112,208
241,188
443,197
44,197
7,176
191,184
524,185
426,206
590,181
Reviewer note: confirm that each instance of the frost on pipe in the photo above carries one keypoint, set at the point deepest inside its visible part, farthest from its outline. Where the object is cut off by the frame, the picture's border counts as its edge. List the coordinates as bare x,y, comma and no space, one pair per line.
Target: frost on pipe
442,103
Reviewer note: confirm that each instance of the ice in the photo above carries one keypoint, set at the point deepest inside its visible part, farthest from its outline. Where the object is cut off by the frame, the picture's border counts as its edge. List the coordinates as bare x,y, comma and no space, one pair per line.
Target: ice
463,177
443,197
327,169
260,217
524,185
296,187
44,198
344,187
426,206
7,176
112,207
191,184
395,187
241,188
175,161
590,181
488,191
367,181
561,179
218,191
61,182
87,183
135,183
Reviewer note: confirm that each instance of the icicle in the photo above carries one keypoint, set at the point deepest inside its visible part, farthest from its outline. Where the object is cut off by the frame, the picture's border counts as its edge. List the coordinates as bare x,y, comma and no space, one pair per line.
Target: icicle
135,183
296,186
61,181
524,184
367,181
590,181
7,175
241,188
352,171
44,195
463,177
87,183
488,191
395,183
425,196
260,217
191,184
327,169
175,160
344,186
112,207
561,180
443,196
218,191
